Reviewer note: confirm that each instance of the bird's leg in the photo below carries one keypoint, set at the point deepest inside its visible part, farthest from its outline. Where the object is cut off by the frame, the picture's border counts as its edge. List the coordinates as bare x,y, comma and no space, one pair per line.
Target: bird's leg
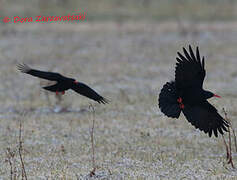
180,101
181,106
63,92
57,92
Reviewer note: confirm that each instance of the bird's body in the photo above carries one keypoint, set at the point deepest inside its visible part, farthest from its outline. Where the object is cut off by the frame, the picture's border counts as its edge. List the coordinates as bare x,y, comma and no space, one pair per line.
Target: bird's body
63,83
192,95
186,94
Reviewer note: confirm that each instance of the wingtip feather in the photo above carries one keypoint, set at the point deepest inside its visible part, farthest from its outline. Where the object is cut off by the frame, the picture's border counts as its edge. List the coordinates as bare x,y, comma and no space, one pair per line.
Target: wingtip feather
210,133
24,68
103,101
189,46
203,62
215,132
187,55
197,54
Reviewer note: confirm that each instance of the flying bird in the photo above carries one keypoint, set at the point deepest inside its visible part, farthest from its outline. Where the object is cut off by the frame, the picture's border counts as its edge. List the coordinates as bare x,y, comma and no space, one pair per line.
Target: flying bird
186,94
63,83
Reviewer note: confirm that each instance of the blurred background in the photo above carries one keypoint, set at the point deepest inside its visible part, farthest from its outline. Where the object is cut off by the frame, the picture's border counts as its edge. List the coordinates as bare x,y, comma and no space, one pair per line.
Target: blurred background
115,33
125,50
132,10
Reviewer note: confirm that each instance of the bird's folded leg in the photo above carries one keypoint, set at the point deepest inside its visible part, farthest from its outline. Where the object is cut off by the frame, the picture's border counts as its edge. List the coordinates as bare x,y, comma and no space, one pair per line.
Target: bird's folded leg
181,106
179,100
63,92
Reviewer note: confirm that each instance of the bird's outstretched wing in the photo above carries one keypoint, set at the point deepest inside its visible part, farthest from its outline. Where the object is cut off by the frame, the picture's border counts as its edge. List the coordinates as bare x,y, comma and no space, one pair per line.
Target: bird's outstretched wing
206,118
189,71
85,90
40,74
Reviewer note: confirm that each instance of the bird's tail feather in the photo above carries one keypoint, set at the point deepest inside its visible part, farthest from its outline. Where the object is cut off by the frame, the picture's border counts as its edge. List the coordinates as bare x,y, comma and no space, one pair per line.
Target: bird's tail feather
168,100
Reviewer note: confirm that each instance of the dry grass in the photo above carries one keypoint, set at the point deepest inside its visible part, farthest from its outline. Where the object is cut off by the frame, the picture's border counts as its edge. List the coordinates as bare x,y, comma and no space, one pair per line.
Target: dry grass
127,64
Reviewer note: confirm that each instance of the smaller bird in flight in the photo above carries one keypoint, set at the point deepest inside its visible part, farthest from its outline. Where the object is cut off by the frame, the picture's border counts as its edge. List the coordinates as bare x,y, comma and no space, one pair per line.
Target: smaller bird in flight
186,94
63,83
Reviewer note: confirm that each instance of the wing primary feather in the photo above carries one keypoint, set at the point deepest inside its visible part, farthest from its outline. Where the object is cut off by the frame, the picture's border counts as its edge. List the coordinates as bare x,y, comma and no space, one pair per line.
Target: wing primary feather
23,68
198,55
210,133
215,132
186,54
191,53
220,130
181,56
203,62
103,101
224,128
179,60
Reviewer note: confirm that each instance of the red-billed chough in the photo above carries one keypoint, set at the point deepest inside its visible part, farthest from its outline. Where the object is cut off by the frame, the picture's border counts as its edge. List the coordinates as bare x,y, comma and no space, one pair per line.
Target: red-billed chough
63,83
186,94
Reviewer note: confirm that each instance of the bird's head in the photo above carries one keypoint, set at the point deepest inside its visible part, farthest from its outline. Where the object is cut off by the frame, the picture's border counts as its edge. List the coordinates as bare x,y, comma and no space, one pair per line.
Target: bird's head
209,94
75,81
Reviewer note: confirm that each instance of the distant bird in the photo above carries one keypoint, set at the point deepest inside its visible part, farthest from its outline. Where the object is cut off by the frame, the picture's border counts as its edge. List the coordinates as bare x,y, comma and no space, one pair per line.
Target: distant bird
186,94
63,83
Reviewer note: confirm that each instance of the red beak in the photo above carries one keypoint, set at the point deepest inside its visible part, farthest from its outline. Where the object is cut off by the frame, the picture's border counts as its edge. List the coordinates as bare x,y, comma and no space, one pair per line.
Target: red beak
215,95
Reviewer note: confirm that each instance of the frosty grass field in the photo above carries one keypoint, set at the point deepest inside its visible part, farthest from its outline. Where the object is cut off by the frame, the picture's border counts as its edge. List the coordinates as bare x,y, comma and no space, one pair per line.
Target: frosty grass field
128,64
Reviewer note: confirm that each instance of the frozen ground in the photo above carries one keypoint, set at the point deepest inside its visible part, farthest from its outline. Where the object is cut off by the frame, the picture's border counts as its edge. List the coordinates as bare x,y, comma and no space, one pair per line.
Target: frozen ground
127,63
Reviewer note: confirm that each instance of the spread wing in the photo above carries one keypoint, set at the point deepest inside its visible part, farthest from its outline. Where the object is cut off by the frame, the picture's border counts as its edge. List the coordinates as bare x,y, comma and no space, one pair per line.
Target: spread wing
85,90
40,74
189,70
206,118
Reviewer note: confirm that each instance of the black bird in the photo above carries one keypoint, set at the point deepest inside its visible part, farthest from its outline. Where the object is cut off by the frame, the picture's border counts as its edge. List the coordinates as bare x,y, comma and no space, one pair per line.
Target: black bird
63,83
186,94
